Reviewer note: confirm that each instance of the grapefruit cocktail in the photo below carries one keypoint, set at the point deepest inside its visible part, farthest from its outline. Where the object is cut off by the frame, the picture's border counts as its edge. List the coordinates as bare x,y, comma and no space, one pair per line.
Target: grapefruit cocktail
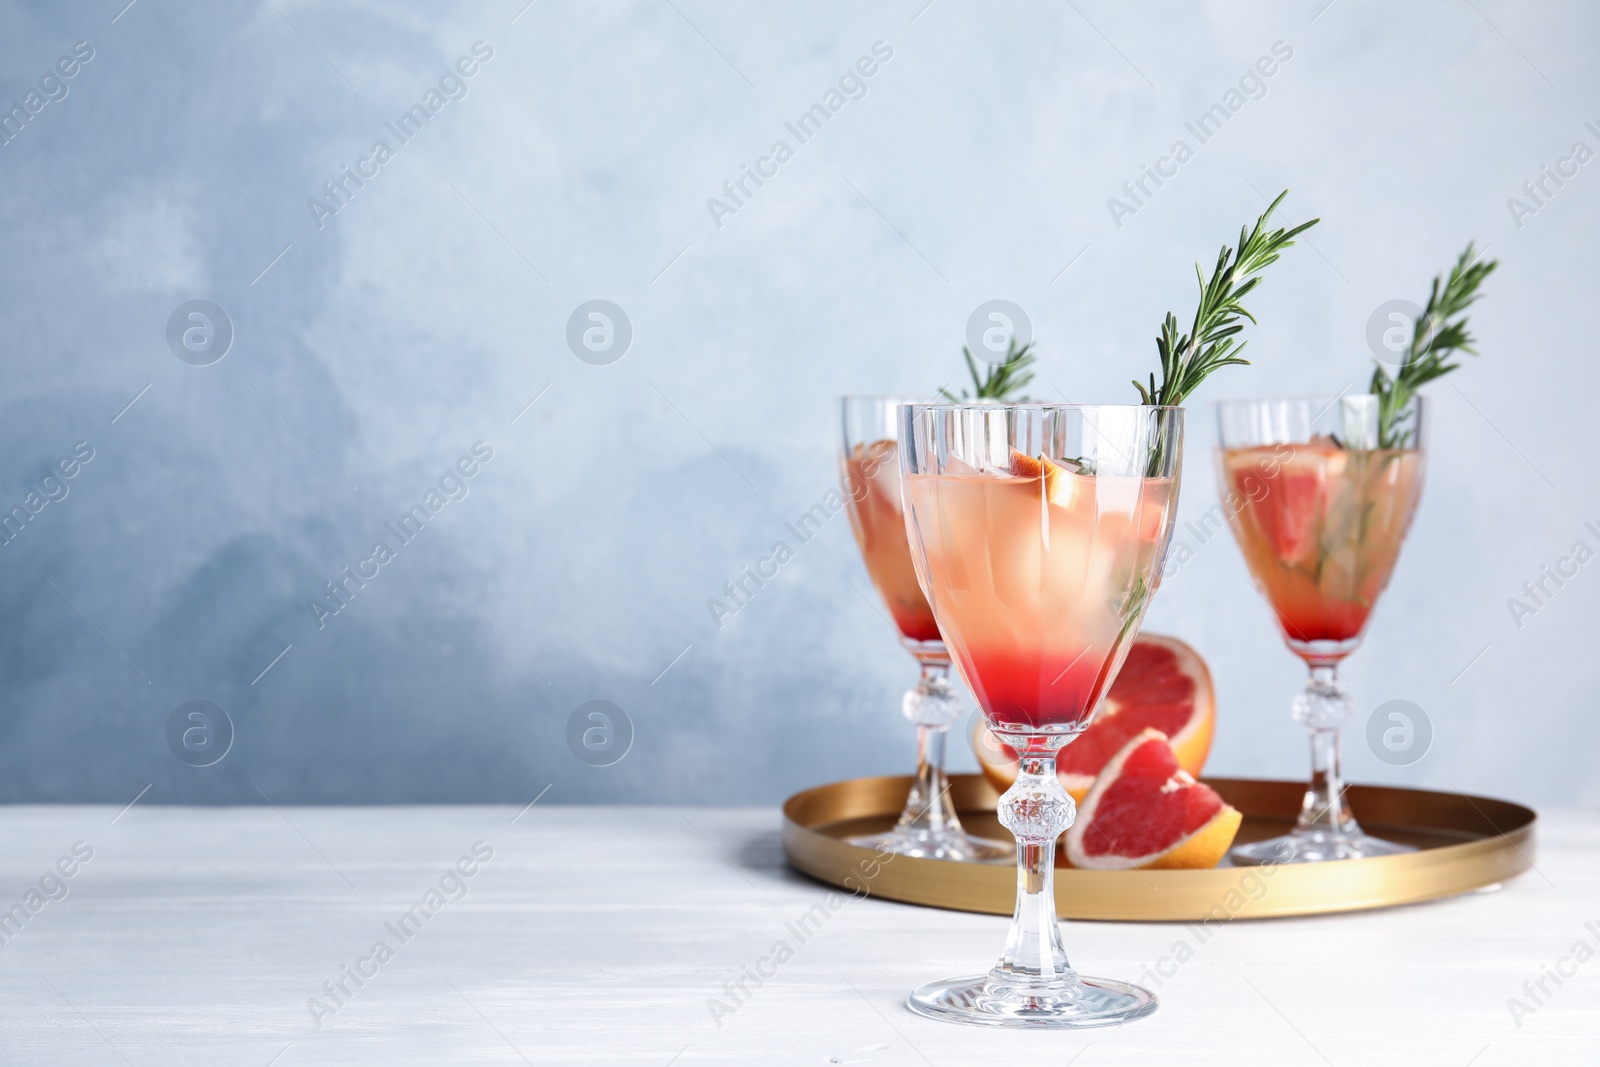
1026,566
872,479
1320,527
869,469
1319,512
1038,534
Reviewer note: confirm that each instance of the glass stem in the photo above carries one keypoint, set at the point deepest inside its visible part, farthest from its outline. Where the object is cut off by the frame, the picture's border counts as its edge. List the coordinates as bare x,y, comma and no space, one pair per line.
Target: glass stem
1036,810
928,806
1323,707
929,809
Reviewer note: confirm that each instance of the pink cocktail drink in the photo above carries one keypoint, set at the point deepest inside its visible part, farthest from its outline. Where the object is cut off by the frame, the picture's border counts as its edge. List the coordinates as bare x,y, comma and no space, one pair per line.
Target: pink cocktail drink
869,473
1320,509
1038,533
1321,528
1035,576
872,481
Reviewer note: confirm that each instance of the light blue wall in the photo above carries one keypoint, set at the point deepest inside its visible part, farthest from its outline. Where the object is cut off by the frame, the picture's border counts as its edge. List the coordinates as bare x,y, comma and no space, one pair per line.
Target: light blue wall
425,314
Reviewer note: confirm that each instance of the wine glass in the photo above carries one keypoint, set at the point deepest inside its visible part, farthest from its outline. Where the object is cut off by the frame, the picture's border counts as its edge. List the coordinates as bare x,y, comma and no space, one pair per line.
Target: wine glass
1038,534
870,474
1319,510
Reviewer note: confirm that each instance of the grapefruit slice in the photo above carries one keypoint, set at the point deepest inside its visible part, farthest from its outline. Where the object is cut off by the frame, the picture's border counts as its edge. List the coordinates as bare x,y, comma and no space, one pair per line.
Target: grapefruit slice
1290,491
1024,465
1061,482
1147,813
1164,684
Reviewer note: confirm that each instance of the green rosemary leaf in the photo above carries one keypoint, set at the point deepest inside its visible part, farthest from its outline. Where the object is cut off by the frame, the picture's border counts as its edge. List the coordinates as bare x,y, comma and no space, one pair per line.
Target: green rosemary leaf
1438,335
1002,381
1188,358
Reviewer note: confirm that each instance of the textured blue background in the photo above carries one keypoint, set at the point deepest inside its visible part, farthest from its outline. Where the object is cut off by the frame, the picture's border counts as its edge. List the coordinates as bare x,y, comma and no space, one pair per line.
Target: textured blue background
429,311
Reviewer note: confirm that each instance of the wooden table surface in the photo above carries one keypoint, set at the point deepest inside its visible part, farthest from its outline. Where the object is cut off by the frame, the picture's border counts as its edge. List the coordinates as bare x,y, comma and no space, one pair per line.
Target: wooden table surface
602,935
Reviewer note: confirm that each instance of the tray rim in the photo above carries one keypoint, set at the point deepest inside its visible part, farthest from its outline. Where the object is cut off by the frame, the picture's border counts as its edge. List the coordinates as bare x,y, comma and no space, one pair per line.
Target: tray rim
1504,850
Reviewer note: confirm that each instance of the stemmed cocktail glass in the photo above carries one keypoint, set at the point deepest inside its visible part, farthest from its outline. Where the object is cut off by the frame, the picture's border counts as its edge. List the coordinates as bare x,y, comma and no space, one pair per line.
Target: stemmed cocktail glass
1038,534
870,472
1319,511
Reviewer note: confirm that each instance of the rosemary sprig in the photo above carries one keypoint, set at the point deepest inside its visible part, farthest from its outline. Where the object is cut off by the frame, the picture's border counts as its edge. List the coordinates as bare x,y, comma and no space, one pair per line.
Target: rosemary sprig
1002,381
1438,335
1186,358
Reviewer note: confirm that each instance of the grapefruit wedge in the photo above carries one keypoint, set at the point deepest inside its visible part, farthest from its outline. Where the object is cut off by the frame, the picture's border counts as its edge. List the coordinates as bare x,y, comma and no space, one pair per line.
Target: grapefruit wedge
1291,492
1164,684
1061,483
1147,813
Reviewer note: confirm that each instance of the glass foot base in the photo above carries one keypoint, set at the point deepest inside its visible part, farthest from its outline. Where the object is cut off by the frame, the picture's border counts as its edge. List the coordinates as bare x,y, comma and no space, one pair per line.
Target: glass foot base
1072,1002
1315,846
927,845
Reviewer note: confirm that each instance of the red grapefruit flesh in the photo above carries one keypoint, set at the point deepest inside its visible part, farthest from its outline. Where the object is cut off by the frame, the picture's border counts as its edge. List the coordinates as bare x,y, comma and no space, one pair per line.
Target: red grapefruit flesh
1163,684
1147,813
1290,492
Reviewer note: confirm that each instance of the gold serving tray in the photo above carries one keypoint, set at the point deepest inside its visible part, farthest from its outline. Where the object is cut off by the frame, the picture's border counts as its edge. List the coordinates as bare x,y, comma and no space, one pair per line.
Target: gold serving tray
1463,843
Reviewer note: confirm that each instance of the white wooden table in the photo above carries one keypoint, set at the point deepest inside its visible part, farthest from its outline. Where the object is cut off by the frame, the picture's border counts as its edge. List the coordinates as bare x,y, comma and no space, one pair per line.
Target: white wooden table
598,935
